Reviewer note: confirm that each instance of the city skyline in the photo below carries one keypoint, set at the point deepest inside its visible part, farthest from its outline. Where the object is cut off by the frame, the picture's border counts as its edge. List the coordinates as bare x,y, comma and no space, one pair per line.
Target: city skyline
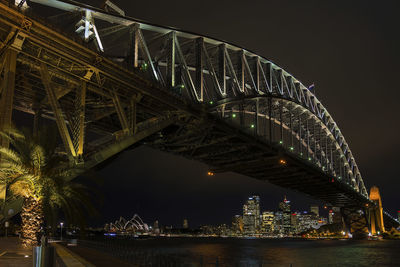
254,221
250,206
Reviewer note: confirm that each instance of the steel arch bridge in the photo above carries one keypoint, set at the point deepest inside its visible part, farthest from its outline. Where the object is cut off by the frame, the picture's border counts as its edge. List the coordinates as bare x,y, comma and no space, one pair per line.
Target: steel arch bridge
126,81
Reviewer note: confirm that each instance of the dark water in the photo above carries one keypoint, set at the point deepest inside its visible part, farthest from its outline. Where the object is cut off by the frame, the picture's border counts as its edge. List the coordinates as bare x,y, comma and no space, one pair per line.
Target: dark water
261,252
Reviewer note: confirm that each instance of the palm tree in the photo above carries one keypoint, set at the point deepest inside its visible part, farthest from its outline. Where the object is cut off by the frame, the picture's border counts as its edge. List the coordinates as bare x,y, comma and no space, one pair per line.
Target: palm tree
31,168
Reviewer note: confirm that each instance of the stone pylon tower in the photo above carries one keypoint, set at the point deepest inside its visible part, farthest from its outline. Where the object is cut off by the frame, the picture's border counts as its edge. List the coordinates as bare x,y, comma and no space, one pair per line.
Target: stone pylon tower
376,212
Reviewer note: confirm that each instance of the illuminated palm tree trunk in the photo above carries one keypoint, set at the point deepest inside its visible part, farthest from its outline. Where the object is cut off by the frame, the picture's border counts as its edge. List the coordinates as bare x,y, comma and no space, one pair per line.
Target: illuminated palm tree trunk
32,221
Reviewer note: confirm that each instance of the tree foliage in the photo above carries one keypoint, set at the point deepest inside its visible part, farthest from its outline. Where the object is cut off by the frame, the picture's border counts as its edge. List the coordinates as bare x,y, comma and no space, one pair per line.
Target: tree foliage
32,168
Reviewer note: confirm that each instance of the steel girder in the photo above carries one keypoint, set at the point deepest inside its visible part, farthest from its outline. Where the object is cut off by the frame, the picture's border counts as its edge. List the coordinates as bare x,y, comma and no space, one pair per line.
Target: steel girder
253,99
221,74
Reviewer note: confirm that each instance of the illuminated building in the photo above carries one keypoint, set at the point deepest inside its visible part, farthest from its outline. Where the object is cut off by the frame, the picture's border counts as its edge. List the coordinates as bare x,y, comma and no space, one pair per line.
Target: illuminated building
278,222
185,224
308,220
294,221
285,222
251,215
267,222
315,210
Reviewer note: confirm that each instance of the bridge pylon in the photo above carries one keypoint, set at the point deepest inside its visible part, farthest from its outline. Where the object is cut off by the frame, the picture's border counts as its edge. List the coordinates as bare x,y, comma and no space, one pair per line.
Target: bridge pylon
376,212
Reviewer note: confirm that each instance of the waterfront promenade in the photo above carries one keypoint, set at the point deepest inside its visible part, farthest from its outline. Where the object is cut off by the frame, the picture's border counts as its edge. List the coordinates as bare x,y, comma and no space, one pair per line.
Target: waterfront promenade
12,254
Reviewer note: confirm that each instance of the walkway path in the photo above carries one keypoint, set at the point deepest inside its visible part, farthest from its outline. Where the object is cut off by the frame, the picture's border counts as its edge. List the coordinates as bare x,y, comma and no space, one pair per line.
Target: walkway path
12,254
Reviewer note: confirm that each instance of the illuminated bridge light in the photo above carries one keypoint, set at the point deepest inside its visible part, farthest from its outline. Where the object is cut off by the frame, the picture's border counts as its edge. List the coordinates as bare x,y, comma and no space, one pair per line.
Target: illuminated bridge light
209,173
282,161
252,126
291,148
182,86
233,115
211,102
309,158
280,142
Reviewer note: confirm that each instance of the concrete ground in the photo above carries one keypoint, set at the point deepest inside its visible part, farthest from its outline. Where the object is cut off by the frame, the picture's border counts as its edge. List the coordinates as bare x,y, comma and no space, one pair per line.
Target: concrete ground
12,254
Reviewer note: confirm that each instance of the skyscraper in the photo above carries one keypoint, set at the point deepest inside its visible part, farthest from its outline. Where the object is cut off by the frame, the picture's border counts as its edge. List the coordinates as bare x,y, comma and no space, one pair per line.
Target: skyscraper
267,223
284,207
315,210
251,215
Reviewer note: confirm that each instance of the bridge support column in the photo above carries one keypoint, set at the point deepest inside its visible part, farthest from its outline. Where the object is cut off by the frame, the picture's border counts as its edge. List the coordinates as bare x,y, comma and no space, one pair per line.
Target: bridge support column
171,60
132,113
133,52
7,92
222,67
376,212
199,67
62,126
240,71
7,87
355,220
79,119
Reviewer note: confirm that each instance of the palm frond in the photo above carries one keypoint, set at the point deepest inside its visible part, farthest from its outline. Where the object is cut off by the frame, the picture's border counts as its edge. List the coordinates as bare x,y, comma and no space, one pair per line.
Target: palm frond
38,158
10,155
21,188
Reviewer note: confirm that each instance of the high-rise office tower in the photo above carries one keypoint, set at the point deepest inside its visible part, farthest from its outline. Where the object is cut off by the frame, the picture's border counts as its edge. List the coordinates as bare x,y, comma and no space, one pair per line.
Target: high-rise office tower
284,207
267,222
251,215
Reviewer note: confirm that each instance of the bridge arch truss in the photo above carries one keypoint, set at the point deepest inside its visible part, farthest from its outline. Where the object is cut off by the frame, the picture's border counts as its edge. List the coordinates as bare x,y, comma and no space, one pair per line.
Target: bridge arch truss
227,81
240,87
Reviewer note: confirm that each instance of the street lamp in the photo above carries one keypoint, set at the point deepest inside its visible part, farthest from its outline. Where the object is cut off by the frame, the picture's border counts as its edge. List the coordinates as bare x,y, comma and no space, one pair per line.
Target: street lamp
61,224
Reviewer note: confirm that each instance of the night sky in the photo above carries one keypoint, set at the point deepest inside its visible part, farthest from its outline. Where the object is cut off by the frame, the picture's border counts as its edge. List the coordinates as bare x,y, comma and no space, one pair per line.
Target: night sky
349,49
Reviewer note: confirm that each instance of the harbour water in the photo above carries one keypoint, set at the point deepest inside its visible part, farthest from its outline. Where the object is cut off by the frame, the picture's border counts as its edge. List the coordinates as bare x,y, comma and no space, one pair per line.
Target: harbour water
251,252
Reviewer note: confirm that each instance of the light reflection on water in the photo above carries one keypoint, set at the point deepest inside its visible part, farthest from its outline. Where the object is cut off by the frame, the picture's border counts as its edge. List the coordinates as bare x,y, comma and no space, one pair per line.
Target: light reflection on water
264,252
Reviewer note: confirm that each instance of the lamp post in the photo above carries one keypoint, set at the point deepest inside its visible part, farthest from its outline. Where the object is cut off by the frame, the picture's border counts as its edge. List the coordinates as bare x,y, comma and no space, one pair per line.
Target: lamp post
6,224
61,224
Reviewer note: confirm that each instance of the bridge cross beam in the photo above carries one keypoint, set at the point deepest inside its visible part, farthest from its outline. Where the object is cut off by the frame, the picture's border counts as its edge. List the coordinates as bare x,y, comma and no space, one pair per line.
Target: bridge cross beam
171,80
199,66
222,67
136,44
58,113
78,123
